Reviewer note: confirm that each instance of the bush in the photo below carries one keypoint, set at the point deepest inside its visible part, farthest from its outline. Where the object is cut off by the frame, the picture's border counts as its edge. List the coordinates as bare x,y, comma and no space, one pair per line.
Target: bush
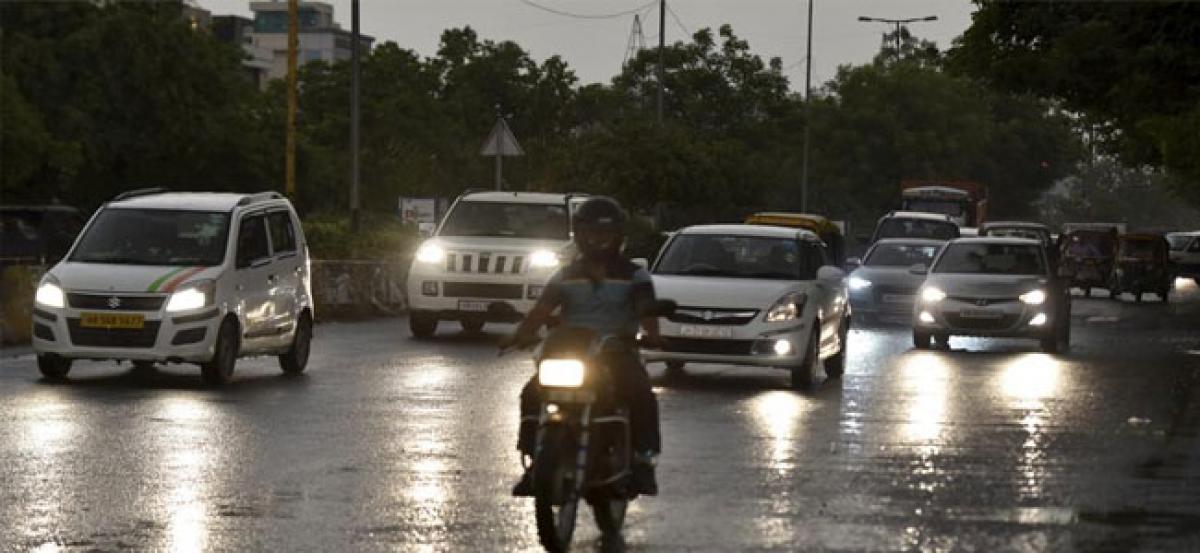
381,238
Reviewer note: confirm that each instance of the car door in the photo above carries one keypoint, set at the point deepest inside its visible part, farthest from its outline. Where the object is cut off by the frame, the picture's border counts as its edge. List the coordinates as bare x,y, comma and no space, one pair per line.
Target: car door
833,297
287,270
253,277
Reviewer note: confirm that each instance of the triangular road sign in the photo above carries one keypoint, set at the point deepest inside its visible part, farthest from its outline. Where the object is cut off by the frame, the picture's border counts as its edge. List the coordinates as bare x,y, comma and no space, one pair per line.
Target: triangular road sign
501,141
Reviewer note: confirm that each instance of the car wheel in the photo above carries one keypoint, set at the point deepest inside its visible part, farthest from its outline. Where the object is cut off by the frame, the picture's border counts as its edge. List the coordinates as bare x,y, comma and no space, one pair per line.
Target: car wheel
219,370
53,367
295,359
835,366
921,339
1164,295
1087,291
1137,296
804,373
422,325
675,369
471,326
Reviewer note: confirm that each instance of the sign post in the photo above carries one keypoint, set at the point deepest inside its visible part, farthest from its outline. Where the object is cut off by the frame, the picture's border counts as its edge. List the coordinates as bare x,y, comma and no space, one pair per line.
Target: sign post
501,142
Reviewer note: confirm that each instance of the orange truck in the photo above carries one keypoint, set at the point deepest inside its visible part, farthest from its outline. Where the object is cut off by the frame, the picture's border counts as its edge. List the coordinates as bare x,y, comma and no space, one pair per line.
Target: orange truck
964,201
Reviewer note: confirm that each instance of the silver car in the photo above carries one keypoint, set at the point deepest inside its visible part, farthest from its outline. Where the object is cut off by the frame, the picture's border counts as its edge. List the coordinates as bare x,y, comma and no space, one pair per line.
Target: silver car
881,284
999,287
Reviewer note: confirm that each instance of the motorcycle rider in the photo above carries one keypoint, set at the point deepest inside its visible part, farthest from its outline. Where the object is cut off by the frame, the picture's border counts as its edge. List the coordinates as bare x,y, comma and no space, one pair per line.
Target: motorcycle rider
603,291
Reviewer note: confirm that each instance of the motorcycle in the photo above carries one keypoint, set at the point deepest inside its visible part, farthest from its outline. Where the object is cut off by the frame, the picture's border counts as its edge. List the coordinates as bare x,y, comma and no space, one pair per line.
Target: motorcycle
583,449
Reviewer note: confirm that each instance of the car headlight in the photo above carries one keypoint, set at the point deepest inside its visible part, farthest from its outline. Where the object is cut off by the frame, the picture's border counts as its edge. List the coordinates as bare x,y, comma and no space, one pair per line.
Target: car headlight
561,373
431,253
192,295
859,283
1033,297
932,295
50,294
787,308
543,259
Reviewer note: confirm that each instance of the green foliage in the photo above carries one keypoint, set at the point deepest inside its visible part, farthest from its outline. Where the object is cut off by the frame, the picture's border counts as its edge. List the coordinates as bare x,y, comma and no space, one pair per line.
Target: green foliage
380,237
1106,191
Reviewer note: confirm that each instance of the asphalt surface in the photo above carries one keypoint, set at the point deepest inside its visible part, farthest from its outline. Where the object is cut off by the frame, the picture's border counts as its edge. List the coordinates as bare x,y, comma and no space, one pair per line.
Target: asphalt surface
390,444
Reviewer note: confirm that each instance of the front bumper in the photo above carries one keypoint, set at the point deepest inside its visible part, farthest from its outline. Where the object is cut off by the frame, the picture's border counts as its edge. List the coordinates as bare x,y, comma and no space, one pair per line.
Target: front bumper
751,344
178,337
869,302
998,318
487,297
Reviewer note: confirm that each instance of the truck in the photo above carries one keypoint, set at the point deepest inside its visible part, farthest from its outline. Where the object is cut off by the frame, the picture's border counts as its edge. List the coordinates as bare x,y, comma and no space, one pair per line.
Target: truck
964,201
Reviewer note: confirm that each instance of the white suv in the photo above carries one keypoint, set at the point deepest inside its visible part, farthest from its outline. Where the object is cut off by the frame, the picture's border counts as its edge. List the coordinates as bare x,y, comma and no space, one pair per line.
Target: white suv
180,277
489,259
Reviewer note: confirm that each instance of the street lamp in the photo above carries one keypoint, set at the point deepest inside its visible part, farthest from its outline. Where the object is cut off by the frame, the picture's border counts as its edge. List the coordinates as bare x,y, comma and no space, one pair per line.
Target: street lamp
897,23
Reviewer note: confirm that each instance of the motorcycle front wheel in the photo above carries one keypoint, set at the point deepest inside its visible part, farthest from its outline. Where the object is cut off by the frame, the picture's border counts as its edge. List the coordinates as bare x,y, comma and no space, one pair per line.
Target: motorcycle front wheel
556,494
609,512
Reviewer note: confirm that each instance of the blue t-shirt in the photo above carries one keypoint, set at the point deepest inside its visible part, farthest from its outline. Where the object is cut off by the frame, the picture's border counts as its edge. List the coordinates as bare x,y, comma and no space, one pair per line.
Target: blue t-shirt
607,306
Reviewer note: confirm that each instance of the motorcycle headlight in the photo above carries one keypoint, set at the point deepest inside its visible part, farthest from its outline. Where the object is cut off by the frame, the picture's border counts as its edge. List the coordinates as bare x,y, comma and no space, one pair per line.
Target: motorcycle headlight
561,373
787,308
192,295
543,259
859,283
1033,297
50,294
932,295
431,253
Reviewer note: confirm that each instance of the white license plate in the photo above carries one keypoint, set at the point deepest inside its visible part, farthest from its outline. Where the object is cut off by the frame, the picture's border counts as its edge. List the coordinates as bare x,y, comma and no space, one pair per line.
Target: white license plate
980,314
476,306
698,331
897,298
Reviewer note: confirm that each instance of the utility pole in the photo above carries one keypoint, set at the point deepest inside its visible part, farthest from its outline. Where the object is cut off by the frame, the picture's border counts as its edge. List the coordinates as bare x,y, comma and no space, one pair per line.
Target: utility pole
662,44
897,23
354,118
293,40
807,122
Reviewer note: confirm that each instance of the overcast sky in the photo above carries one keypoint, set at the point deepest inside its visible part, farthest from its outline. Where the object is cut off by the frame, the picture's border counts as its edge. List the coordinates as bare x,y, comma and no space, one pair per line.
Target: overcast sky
595,48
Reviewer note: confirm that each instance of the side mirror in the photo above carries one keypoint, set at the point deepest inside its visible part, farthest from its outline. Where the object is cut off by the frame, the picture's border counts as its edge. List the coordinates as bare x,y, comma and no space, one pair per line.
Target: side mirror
919,269
642,262
853,263
830,274
660,308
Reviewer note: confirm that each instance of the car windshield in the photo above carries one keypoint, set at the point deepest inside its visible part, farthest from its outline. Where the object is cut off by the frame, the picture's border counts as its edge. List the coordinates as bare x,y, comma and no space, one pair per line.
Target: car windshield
951,208
900,255
510,220
1002,259
897,227
738,257
1178,241
154,237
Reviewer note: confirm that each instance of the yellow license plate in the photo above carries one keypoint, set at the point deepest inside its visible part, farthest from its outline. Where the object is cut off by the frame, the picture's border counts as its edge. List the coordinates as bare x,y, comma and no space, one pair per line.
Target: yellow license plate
111,320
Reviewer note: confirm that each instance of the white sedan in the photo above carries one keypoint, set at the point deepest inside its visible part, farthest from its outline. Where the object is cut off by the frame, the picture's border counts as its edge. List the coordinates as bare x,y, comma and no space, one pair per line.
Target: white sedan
752,295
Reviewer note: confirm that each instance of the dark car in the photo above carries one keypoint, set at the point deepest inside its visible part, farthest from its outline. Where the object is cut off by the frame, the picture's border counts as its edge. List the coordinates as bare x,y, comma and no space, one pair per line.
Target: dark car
37,234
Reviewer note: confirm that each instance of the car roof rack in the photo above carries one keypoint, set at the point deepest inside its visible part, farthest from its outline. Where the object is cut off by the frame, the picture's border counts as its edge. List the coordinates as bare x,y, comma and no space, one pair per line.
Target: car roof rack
139,192
259,197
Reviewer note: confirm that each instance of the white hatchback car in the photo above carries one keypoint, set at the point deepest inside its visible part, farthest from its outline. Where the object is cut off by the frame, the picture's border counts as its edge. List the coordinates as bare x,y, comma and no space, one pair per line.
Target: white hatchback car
752,295
180,277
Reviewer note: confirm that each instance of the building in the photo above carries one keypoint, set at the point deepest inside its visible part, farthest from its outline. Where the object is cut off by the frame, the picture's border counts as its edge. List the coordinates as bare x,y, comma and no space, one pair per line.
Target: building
238,30
320,37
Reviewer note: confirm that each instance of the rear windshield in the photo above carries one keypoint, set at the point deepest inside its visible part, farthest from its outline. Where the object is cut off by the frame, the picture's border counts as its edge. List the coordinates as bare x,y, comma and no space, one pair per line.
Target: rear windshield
740,257
947,207
1019,232
1179,242
540,221
900,255
1001,259
917,228
154,237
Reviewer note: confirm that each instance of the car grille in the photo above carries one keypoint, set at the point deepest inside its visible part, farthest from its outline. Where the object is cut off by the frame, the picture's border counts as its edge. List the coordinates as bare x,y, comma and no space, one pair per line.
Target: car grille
715,347
482,290
484,263
959,322
984,302
713,316
883,290
113,337
122,303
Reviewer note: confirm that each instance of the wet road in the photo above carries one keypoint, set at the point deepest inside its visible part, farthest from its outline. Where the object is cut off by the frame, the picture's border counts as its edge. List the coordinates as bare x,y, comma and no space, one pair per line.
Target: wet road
391,444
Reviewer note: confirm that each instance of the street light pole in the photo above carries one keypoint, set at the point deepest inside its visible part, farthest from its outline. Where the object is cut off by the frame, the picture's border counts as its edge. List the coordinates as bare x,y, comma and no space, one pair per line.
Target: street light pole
897,23
354,115
807,122
289,148
662,43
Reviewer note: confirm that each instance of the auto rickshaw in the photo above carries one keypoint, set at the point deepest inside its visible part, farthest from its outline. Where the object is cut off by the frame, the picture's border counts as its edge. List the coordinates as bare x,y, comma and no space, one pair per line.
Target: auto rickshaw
1143,265
1086,258
820,225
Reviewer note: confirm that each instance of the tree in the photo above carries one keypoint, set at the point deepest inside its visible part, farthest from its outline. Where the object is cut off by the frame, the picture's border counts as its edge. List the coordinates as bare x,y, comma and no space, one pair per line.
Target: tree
1131,68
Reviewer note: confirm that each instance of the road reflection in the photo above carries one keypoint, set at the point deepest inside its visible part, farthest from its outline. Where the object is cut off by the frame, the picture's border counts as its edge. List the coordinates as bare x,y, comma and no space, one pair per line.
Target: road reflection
45,437
186,468
1027,383
924,379
777,415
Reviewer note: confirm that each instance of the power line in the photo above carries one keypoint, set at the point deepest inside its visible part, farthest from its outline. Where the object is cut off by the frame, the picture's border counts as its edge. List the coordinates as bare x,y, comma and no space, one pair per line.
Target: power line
682,27
556,11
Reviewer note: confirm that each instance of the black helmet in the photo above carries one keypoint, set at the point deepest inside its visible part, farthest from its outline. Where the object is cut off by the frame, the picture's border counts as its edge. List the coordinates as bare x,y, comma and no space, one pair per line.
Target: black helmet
599,225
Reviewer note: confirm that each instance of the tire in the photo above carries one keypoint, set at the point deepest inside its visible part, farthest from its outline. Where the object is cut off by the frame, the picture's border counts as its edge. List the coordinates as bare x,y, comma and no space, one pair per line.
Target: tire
53,367
804,373
835,366
219,370
556,498
609,513
675,369
471,326
1087,291
921,340
1137,296
295,359
422,325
